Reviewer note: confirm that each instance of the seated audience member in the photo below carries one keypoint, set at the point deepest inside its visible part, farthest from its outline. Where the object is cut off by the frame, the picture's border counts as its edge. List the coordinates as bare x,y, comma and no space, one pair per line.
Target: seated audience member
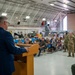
51,40
59,44
26,40
33,39
49,46
22,40
54,43
21,35
42,44
16,40
62,43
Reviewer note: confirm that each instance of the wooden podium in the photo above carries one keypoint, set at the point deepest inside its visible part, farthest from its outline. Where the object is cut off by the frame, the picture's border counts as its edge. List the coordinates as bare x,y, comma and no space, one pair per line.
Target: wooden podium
24,63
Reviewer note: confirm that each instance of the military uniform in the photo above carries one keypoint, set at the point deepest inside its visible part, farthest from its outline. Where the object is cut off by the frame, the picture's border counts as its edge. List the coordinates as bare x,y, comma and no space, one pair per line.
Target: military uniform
74,42
66,43
71,44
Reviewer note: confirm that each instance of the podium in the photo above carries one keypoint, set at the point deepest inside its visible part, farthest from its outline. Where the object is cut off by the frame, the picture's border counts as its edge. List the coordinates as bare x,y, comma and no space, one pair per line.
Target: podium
24,63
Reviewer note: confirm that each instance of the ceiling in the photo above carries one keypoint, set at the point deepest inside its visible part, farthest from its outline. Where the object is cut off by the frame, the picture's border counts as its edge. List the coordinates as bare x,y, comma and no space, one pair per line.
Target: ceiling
17,10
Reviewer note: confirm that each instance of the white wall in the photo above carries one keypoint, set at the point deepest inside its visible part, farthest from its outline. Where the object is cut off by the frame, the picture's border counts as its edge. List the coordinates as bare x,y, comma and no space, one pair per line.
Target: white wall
65,24
24,30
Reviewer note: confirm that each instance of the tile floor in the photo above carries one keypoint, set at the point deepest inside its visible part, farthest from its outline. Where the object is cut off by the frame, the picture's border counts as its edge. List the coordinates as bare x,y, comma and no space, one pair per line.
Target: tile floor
53,64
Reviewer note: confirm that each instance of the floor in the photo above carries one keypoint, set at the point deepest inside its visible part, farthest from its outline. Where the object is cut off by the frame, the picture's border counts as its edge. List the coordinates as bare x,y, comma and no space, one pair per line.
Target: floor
53,64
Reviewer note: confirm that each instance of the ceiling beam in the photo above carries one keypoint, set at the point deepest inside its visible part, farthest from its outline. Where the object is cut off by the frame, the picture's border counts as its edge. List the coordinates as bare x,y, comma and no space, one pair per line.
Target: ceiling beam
24,10
66,4
3,5
71,1
35,16
40,6
7,8
14,13
61,7
17,2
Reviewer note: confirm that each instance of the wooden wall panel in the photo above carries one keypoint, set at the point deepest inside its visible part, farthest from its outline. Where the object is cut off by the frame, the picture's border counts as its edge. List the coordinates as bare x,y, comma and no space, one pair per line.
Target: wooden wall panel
71,22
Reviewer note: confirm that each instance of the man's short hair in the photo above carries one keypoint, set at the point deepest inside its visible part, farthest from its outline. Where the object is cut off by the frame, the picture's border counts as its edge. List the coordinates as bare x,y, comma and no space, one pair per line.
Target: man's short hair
2,18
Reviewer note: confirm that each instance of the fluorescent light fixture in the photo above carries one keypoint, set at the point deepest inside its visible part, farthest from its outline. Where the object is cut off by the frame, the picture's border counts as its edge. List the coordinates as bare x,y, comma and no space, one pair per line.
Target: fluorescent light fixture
4,14
66,1
65,24
16,17
27,17
55,20
64,5
48,22
44,19
52,4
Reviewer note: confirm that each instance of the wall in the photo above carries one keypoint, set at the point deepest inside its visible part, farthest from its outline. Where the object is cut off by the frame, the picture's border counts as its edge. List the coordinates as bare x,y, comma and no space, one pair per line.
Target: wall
71,22
24,30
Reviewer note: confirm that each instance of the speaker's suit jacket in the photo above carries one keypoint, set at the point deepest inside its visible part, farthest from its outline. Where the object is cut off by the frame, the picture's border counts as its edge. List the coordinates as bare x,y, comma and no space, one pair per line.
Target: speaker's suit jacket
7,50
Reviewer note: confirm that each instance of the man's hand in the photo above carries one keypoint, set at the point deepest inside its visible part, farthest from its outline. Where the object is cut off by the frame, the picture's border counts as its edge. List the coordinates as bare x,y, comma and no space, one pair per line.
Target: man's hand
27,48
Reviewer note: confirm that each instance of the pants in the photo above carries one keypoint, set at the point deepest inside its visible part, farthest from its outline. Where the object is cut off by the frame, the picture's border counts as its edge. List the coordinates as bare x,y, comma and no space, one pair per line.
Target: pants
41,49
71,49
53,48
73,69
65,47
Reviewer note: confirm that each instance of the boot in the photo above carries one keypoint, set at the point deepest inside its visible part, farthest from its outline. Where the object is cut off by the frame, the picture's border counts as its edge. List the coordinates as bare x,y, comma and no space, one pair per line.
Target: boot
72,55
69,55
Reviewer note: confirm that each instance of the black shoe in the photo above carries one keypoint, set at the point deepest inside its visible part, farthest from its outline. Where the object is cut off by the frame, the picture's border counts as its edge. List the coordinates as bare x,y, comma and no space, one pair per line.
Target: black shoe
38,55
72,55
64,51
69,55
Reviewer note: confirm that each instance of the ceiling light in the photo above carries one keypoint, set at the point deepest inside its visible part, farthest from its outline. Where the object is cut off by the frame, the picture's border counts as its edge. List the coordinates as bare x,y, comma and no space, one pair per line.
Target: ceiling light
44,19
64,5
55,20
4,14
16,17
27,17
48,22
52,4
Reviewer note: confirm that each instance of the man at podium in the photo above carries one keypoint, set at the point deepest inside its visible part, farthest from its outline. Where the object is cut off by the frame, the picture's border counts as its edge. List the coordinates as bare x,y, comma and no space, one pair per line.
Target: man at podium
7,49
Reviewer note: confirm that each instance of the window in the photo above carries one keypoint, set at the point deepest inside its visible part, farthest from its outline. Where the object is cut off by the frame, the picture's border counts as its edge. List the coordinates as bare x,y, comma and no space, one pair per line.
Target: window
65,24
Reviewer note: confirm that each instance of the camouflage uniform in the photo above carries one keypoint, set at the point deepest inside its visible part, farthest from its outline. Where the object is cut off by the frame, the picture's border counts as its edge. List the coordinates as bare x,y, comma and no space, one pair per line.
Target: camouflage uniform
66,43
71,44
74,42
